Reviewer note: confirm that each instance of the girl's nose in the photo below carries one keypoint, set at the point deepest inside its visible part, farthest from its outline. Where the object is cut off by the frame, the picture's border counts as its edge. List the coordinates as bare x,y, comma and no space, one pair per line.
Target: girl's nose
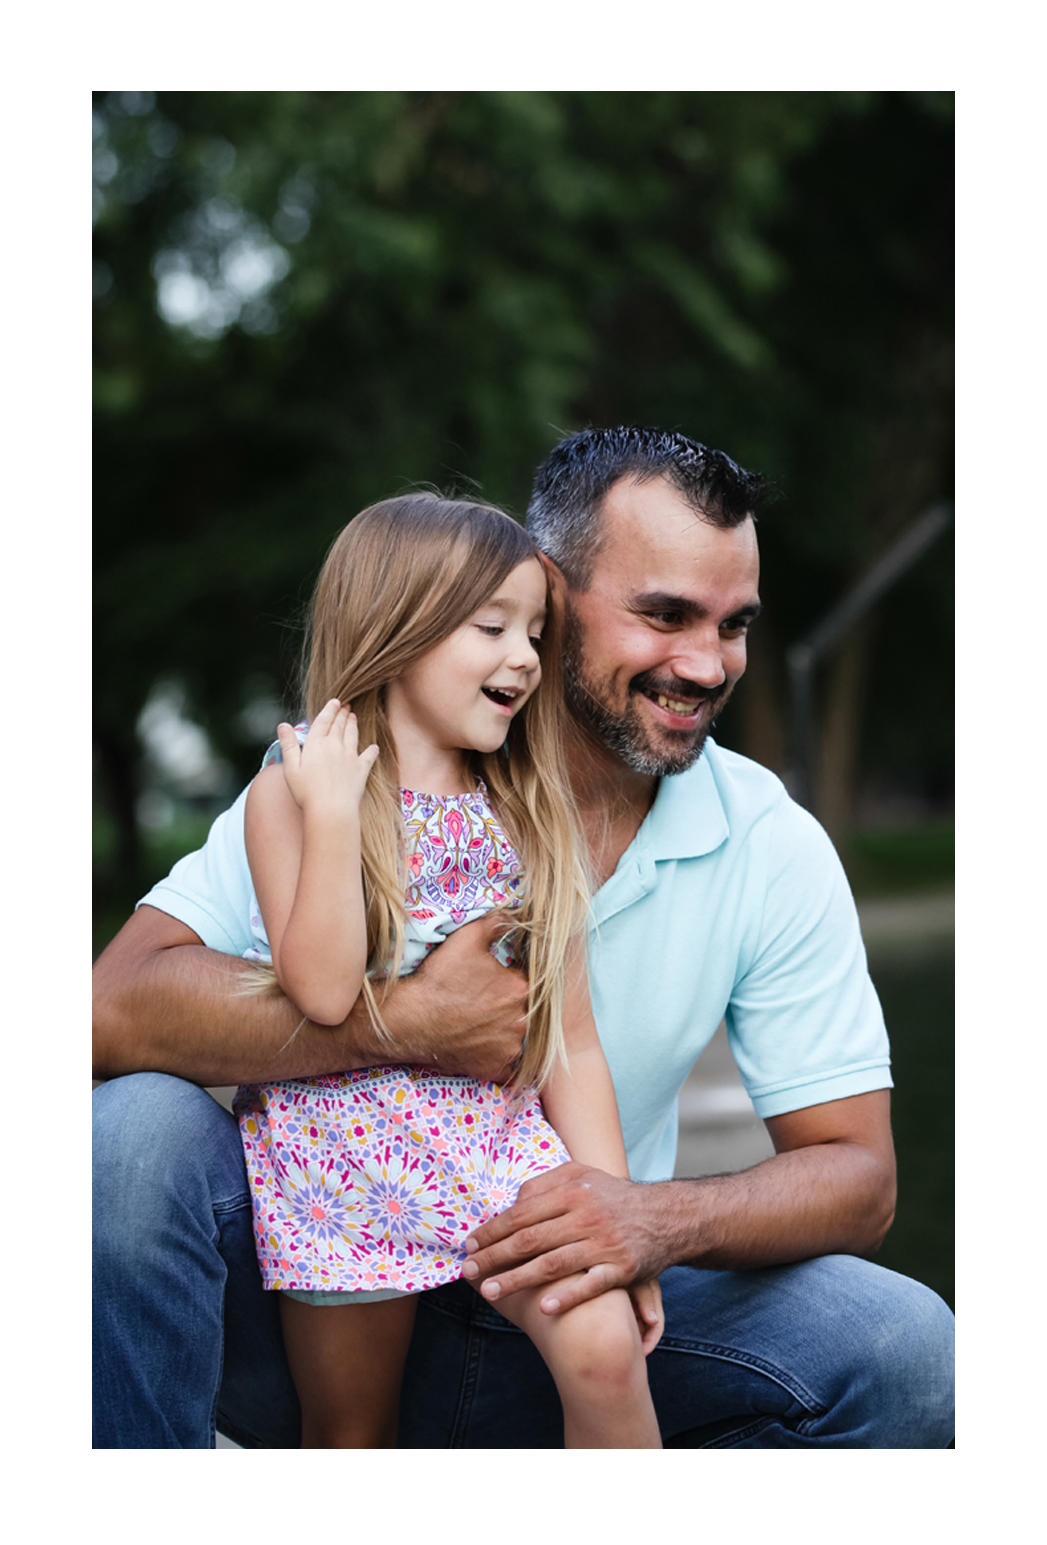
523,656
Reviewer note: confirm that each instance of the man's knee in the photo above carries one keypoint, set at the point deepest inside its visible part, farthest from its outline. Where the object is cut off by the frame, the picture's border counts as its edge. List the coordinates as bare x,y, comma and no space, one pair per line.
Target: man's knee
915,1358
157,1142
896,1340
860,1356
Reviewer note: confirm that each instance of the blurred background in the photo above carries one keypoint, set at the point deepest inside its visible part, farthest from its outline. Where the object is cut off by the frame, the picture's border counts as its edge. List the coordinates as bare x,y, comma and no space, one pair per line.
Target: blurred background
307,301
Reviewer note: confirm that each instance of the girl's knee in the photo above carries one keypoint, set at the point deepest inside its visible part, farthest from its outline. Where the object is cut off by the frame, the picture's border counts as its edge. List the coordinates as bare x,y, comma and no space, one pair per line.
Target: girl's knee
601,1343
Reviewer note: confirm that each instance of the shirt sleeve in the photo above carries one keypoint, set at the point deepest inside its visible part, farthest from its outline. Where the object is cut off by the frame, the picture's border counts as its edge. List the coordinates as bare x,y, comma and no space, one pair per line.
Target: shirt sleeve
804,1022
210,890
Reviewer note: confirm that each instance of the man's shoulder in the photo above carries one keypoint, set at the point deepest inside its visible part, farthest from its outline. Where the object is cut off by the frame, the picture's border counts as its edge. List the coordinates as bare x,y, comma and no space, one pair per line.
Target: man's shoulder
727,803
209,890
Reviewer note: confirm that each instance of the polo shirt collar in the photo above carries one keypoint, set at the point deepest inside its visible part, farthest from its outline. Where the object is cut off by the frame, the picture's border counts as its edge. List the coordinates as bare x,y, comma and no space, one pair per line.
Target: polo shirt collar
686,820
688,817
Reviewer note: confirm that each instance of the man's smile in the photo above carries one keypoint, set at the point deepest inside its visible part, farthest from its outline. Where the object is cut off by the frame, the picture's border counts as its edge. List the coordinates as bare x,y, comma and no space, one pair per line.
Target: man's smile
675,706
678,705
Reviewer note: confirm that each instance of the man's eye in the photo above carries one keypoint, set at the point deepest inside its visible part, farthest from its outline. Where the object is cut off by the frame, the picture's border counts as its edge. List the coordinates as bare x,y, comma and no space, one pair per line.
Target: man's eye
670,619
734,628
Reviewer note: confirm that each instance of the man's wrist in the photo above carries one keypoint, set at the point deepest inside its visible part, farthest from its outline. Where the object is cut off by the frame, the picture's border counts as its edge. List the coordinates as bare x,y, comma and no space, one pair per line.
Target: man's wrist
687,1223
398,1043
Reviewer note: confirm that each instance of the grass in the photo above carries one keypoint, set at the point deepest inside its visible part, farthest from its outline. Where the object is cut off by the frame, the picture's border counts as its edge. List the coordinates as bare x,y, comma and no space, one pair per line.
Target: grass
897,861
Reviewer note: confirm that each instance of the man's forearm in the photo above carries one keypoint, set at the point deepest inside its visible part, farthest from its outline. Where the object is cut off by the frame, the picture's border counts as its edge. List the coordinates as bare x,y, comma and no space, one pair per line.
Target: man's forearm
164,1003
836,1198
184,1012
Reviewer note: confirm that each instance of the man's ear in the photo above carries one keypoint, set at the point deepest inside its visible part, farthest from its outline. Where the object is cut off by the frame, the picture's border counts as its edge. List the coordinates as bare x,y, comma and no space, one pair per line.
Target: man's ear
554,574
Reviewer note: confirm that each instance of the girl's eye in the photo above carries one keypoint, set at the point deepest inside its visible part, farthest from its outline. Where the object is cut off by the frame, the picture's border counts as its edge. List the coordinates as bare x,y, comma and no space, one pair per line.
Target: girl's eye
536,641
492,629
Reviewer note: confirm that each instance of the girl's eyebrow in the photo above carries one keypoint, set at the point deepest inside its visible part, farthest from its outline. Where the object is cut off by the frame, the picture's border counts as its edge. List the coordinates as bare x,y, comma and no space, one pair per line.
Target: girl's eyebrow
662,601
497,604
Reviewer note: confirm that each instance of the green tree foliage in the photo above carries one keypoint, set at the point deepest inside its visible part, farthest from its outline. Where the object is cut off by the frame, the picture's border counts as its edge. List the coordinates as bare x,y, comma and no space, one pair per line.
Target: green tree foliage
305,301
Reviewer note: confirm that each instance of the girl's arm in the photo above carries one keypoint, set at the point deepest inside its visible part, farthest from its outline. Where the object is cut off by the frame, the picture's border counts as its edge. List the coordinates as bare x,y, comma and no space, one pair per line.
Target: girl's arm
579,1100
302,831
580,1103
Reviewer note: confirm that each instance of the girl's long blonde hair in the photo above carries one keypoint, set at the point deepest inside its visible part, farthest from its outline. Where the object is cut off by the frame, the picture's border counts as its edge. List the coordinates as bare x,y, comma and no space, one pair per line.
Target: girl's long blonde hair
401,577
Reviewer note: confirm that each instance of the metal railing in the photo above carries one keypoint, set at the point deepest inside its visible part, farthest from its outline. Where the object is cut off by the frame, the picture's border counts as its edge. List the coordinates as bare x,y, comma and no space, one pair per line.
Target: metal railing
804,655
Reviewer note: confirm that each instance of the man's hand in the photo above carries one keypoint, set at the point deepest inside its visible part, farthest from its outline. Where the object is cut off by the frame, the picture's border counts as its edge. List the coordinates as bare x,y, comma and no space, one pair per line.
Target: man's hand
650,1315
462,1011
571,1219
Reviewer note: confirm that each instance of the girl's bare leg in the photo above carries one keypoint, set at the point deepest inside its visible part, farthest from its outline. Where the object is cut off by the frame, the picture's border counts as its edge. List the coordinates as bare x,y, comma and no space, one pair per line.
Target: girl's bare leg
347,1362
595,1355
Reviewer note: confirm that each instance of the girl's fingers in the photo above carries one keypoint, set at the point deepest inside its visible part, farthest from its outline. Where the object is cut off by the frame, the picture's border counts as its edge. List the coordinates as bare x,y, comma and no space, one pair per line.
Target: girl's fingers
326,717
288,740
334,721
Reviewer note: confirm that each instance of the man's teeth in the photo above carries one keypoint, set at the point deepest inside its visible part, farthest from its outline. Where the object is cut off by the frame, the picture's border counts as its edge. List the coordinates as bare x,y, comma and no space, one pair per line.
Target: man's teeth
674,705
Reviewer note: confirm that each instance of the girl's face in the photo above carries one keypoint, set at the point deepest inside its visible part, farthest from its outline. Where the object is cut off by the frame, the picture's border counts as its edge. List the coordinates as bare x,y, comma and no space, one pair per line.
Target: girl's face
463,694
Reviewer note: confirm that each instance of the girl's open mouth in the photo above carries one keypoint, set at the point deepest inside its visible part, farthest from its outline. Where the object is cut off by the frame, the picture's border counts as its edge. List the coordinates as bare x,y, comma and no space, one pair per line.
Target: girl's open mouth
505,697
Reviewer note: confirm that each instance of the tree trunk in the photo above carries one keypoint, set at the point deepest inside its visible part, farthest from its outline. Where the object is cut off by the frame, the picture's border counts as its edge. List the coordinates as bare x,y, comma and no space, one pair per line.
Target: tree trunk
116,761
760,697
843,698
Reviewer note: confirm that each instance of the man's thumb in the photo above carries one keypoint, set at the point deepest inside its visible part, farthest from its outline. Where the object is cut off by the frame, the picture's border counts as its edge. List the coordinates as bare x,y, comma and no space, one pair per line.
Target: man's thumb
495,924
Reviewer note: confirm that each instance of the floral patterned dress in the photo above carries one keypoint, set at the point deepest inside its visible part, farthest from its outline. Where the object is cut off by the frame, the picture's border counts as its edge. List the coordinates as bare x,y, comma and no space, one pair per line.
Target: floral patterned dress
371,1181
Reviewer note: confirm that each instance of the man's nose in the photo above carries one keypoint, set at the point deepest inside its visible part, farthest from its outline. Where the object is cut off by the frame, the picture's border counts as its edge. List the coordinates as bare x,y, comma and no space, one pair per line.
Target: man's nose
701,661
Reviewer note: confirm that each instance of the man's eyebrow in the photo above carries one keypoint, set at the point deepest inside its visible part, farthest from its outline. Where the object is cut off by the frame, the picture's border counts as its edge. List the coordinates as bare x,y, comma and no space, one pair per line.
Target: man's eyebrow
662,601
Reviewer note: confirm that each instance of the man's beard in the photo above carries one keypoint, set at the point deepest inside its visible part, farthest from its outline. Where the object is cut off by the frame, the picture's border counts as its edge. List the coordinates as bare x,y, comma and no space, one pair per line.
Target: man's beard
625,733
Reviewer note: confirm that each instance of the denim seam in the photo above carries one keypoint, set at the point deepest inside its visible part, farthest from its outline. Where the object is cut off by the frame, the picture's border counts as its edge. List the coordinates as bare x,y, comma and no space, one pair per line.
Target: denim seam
232,1204
731,1440
747,1360
467,1390
760,1424
221,1331
221,1372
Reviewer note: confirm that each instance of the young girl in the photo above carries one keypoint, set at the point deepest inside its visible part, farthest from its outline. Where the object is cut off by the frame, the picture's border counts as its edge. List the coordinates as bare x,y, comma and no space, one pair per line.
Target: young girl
428,620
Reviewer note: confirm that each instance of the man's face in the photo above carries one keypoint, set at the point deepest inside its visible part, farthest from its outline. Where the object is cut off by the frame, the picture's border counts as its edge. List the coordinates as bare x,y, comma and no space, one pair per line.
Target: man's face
653,648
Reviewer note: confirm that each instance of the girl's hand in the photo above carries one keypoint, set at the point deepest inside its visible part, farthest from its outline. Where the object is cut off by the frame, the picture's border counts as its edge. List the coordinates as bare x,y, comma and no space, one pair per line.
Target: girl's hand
327,775
650,1316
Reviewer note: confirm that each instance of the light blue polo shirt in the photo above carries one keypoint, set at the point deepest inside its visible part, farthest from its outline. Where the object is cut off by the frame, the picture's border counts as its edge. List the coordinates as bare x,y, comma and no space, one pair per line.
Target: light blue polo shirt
730,902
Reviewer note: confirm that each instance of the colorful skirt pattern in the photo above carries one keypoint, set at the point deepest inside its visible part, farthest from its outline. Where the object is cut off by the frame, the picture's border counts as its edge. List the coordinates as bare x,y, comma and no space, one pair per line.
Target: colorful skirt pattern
374,1179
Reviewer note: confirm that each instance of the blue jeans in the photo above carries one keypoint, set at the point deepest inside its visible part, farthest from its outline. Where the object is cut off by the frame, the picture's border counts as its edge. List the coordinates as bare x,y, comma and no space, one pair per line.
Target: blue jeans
828,1353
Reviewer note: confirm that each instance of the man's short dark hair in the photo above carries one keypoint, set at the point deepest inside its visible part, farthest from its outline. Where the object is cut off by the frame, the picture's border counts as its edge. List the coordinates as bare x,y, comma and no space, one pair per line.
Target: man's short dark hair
564,513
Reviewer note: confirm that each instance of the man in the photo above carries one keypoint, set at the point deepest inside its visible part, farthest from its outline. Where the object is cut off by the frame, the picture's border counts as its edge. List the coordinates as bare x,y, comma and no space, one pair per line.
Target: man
715,895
